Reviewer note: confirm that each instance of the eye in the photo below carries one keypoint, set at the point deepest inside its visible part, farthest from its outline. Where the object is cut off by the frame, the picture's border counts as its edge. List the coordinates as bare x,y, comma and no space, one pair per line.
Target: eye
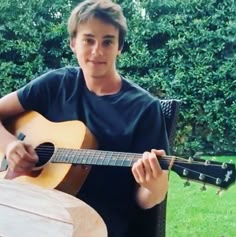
107,43
89,41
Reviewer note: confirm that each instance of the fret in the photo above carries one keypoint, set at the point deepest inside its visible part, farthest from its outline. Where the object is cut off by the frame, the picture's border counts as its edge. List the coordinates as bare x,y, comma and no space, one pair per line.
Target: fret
84,157
95,157
57,157
119,162
89,156
75,156
100,158
128,162
112,162
105,161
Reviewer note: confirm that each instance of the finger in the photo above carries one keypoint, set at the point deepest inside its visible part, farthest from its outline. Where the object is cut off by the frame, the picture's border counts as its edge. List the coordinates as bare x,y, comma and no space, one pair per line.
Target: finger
147,166
26,165
155,166
32,152
17,163
17,171
12,160
159,152
25,158
20,170
24,151
138,171
135,173
20,167
27,154
14,165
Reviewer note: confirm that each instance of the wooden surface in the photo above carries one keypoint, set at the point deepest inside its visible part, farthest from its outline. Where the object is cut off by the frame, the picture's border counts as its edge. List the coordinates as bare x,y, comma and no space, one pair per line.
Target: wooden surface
28,210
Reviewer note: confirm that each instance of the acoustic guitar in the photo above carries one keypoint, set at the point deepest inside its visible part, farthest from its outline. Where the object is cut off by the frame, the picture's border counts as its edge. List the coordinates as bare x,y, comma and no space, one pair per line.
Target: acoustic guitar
67,150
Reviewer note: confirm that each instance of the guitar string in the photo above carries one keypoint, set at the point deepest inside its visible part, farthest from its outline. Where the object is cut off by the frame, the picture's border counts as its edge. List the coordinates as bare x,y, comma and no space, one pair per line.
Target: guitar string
97,156
123,155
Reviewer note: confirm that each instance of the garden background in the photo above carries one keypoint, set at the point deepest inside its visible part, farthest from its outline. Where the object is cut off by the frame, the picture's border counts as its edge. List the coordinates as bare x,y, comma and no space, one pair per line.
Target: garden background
178,49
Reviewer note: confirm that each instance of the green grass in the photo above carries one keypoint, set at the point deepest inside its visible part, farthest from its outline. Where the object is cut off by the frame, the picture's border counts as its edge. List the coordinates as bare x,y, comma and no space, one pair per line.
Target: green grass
195,213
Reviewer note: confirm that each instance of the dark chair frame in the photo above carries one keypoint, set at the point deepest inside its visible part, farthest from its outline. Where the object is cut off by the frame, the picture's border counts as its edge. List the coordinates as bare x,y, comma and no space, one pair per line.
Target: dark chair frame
154,219
171,110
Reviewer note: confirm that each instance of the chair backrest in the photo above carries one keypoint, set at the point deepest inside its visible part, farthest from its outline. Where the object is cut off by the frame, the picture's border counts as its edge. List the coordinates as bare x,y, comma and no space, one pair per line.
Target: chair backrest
170,109
154,219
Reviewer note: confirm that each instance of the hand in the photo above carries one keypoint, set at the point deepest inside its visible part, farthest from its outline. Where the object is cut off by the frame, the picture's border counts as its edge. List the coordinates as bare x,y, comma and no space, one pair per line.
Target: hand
21,158
152,179
147,169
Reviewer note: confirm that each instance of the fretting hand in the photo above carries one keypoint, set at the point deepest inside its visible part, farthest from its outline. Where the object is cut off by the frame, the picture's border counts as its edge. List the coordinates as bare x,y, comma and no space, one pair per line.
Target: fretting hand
152,179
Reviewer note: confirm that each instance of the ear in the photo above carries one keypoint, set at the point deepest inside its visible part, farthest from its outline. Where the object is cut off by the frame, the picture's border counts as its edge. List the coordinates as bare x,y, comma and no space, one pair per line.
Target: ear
72,45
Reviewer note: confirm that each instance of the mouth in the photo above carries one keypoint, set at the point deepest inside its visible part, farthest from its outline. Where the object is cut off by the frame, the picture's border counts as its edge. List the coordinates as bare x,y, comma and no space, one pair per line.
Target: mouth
96,62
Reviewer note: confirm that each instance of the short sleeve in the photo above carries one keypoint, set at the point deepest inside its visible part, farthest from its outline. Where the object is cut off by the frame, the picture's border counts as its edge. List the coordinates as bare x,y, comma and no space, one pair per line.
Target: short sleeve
38,93
151,130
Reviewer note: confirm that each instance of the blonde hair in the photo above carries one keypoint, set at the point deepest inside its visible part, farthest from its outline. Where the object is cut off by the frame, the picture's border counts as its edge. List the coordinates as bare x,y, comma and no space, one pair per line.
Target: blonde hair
104,10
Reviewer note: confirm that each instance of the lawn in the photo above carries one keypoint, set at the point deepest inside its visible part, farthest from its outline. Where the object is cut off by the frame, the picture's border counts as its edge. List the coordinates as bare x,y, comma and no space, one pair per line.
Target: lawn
195,213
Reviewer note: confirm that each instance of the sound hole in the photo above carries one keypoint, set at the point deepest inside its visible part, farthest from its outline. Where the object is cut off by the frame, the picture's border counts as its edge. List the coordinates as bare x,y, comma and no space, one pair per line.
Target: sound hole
44,152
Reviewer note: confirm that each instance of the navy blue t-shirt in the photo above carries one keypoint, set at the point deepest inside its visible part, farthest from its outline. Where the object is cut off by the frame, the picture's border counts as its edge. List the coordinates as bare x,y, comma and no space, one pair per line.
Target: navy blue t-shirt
128,121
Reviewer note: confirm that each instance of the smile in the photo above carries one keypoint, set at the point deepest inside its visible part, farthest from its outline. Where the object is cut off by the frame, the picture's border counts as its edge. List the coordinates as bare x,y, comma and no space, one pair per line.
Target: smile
96,62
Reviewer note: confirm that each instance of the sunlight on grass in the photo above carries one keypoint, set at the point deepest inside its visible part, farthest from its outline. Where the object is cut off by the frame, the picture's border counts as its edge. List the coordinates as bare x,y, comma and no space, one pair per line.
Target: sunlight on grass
194,213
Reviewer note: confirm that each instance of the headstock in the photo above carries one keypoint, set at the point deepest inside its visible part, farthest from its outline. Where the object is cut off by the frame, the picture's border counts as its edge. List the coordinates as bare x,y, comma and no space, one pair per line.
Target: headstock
215,173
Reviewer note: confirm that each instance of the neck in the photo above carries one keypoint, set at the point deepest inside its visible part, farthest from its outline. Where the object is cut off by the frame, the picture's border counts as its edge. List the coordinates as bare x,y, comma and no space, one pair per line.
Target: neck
105,85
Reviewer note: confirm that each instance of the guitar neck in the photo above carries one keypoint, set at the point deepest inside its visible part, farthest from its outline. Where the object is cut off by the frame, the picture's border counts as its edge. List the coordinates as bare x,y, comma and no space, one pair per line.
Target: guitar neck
207,172
99,157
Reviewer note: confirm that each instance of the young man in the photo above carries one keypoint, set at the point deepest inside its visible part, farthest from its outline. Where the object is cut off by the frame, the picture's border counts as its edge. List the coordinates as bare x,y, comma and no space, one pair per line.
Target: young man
122,116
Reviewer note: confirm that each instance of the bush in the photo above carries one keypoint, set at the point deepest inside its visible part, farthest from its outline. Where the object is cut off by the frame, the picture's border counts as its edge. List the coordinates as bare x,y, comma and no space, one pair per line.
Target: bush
175,49
186,50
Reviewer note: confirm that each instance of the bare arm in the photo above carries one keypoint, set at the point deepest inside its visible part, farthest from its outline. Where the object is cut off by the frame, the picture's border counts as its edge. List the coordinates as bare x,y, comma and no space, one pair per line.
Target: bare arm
9,106
152,180
20,156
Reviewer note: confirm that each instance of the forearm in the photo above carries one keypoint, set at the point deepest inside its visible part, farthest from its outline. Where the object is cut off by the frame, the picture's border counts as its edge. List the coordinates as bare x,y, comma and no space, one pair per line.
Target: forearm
147,198
5,137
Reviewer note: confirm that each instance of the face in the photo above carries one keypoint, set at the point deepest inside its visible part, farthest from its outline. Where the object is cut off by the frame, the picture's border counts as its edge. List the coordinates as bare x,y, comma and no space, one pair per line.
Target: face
96,48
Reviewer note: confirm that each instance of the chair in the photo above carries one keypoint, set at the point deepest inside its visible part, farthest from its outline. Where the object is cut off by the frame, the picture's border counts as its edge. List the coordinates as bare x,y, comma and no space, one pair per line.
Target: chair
170,109
154,219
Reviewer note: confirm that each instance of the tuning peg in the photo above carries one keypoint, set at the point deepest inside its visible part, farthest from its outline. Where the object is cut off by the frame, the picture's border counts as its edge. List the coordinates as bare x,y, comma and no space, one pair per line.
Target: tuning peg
203,188
219,192
218,181
185,172
187,183
190,159
207,162
224,166
201,176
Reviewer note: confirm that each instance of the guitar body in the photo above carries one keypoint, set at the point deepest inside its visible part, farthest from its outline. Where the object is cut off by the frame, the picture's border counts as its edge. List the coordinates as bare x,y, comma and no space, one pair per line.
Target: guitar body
38,130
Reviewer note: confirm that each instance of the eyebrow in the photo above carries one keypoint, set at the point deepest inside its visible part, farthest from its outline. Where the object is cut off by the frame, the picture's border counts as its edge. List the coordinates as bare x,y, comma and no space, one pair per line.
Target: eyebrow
104,37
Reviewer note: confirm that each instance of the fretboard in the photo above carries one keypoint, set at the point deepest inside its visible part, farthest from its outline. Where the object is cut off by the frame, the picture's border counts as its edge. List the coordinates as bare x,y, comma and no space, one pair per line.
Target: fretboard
98,157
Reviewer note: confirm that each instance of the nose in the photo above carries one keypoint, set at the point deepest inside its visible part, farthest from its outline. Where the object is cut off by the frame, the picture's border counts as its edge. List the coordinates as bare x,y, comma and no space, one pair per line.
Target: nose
97,50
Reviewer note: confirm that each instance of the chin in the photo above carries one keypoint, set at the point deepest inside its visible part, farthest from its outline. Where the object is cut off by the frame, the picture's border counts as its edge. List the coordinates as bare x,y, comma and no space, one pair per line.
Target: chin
96,74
